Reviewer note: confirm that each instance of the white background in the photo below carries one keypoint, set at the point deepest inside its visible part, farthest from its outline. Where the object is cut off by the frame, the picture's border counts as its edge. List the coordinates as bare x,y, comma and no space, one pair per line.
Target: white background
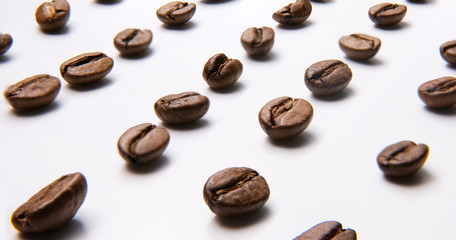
327,173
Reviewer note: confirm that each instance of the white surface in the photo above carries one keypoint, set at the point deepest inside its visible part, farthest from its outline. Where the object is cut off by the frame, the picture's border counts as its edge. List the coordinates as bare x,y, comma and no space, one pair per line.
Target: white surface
327,173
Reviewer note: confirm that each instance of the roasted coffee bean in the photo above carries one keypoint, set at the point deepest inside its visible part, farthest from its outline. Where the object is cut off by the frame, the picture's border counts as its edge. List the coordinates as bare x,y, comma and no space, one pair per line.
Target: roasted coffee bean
293,13
181,108
221,71
33,92
327,77
235,191
257,41
329,230
6,41
440,92
448,52
285,117
133,41
402,159
86,68
360,46
143,143
53,15
52,206
385,14
176,12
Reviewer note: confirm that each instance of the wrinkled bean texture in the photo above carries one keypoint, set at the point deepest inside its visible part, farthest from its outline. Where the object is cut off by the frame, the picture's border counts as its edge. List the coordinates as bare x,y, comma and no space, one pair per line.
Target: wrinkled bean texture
329,230
133,41
86,68
293,13
257,41
175,13
448,51
327,77
143,143
221,71
360,46
52,15
385,14
403,158
235,191
440,92
6,41
285,117
52,206
33,92
181,108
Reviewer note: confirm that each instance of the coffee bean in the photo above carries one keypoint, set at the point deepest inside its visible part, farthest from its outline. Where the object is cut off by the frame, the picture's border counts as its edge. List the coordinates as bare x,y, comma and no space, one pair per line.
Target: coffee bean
86,68
33,92
53,15
327,77
293,13
133,41
181,108
257,41
329,230
360,46
285,117
385,14
448,52
403,158
176,12
143,143
440,92
6,41
52,206
235,191
221,71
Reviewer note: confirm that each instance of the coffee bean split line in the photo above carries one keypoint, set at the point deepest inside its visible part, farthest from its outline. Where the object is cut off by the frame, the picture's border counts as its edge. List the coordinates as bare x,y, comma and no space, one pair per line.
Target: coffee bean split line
238,184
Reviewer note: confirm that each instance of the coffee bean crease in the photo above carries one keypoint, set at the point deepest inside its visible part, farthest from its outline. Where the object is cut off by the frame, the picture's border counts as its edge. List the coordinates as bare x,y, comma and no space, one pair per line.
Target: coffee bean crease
326,71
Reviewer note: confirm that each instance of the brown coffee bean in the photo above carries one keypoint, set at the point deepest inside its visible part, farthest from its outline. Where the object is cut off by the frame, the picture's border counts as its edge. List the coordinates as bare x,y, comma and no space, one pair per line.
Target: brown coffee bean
385,14
448,52
6,41
33,92
403,158
133,41
143,143
257,41
86,68
327,77
181,108
329,230
235,191
360,46
294,13
52,206
221,71
53,15
174,13
285,117
440,92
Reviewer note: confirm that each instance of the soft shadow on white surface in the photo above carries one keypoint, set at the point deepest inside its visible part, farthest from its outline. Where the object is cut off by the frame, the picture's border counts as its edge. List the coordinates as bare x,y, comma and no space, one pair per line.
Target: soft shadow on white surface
5,57
37,111
236,87
304,139
374,62
322,1
201,123
107,2
216,1
447,111
344,94
180,27
91,86
243,221
395,27
139,56
271,56
64,30
149,168
299,26
417,179
421,1
72,230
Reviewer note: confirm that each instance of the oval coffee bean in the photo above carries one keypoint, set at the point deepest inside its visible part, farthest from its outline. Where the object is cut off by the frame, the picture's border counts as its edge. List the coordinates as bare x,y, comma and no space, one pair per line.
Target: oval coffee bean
329,230
33,92
181,108
327,77
285,117
448,52
221,71
294,13
257,41
440,92
6,41
385,14
360,46
86,68
52,206
176,12
143,143
403,158
235,191
53,15
133,41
